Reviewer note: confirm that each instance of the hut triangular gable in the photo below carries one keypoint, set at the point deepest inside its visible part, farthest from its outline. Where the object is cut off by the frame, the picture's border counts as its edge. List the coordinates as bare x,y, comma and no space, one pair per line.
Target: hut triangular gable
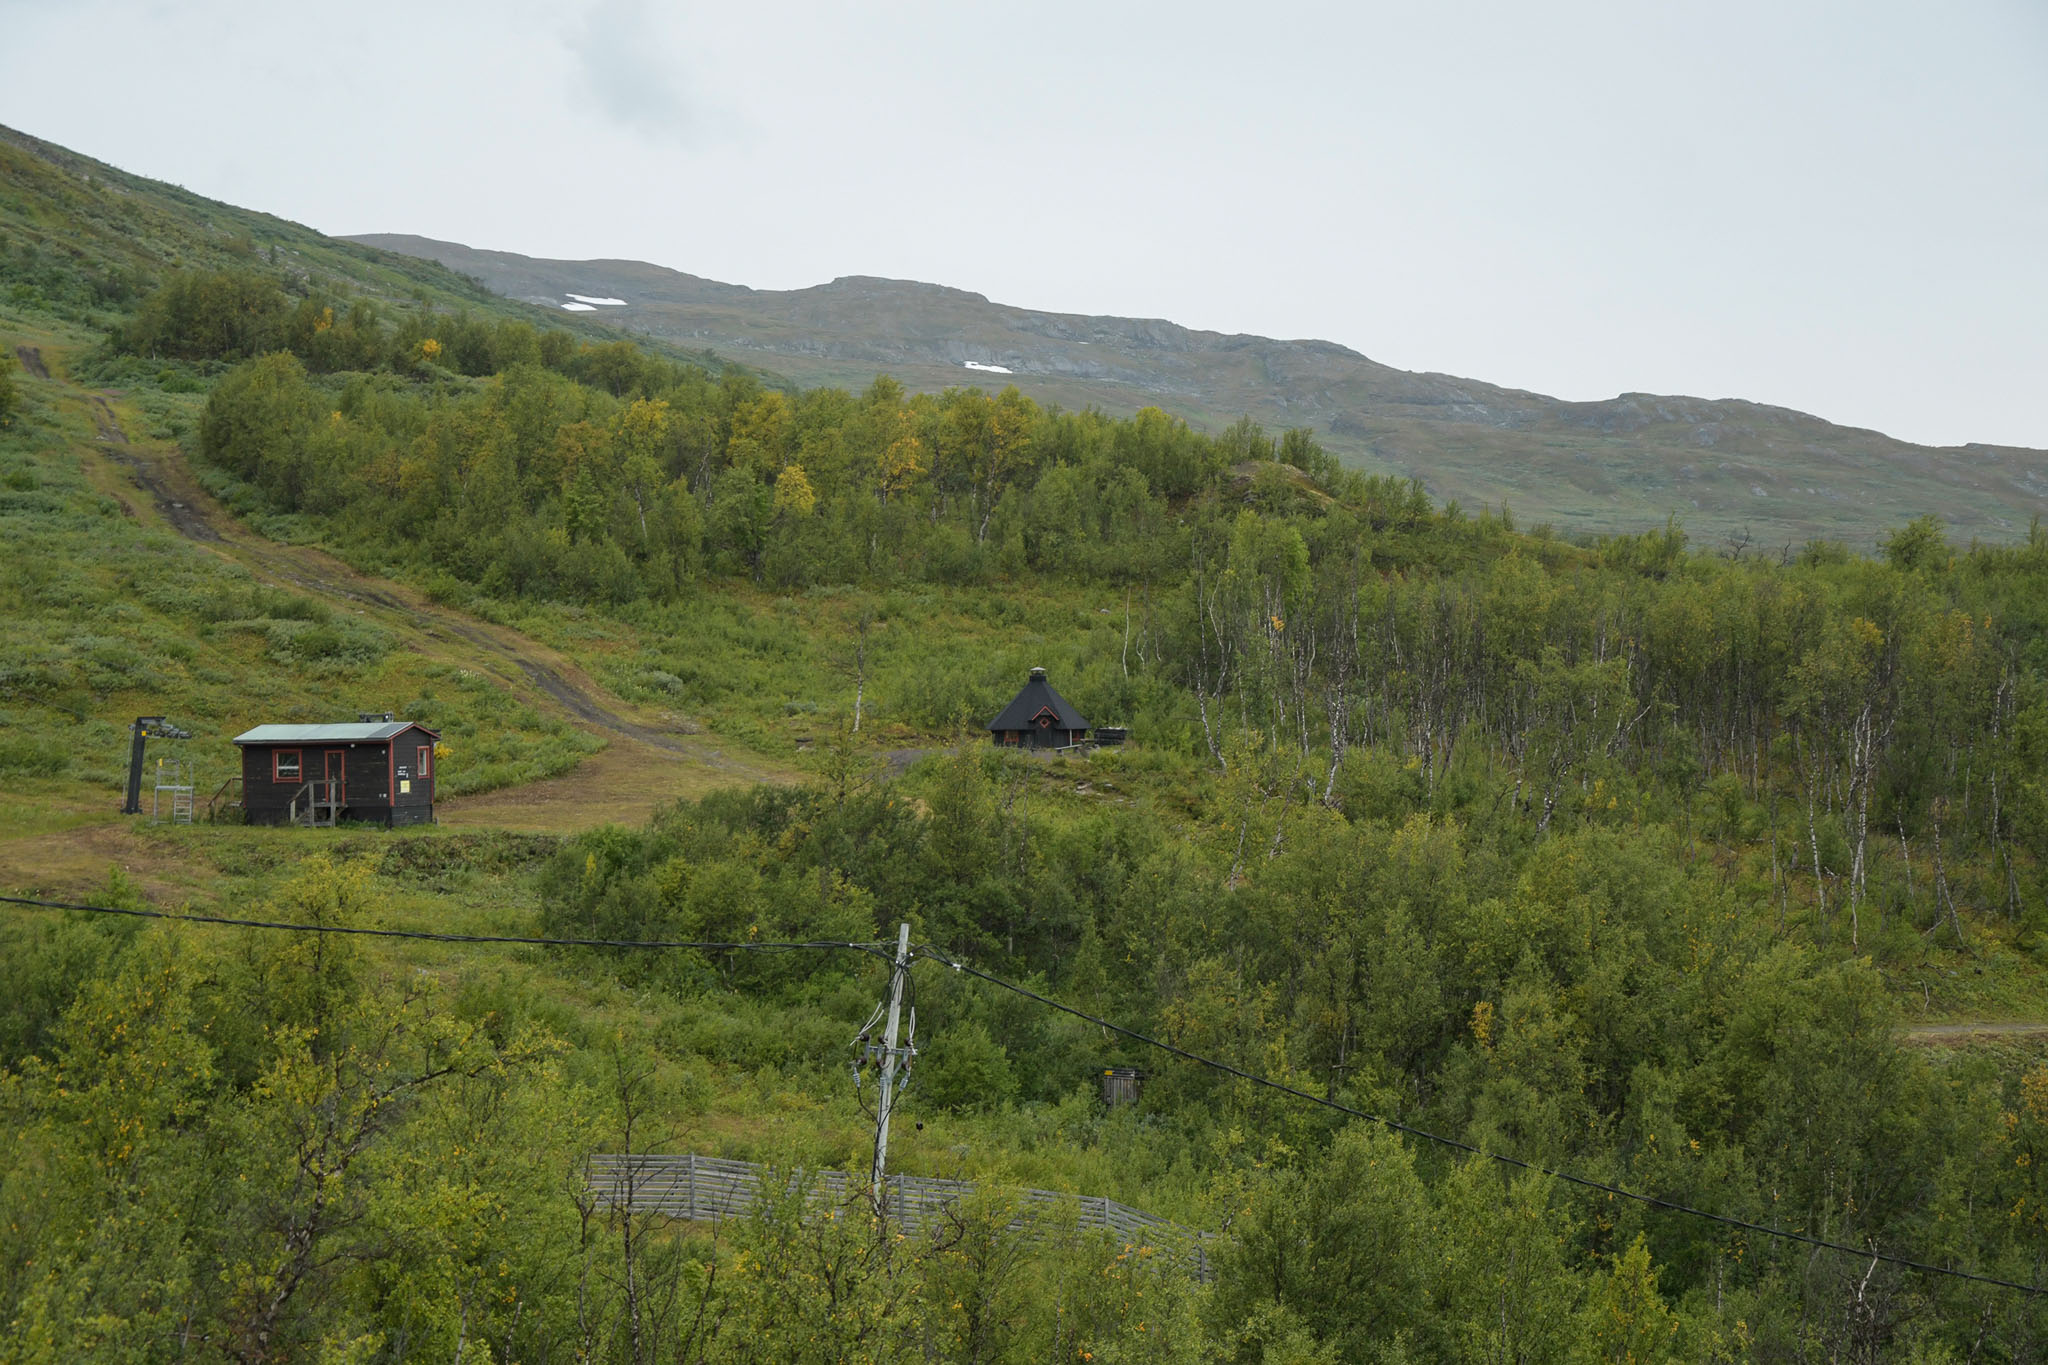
1038,696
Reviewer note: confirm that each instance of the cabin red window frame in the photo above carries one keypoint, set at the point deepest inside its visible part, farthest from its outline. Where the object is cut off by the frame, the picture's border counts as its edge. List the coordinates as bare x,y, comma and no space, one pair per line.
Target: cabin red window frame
277,772
425,769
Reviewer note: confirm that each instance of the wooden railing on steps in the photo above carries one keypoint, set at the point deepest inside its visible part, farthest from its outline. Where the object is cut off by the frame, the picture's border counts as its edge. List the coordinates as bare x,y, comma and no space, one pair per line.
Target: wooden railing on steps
321,795
226,797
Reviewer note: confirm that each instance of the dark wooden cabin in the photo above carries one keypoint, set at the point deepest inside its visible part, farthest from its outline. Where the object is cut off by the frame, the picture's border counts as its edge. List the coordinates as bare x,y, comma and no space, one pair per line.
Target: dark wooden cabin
380,771
1039,718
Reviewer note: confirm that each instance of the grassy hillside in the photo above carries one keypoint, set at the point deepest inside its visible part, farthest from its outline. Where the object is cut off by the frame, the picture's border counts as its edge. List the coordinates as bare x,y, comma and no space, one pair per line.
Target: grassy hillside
1662,866
1729,470
112,612
82,242
133,591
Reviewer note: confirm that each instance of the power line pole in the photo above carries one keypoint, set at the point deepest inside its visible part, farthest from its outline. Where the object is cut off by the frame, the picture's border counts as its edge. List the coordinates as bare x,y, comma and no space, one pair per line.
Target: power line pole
886,1099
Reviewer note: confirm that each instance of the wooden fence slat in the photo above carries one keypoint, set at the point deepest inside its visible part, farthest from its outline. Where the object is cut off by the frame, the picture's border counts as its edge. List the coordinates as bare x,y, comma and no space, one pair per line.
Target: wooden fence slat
701,1188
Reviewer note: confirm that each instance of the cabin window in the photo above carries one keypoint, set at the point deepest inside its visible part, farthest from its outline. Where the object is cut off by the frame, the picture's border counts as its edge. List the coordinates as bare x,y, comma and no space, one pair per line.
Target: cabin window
426,763
284,765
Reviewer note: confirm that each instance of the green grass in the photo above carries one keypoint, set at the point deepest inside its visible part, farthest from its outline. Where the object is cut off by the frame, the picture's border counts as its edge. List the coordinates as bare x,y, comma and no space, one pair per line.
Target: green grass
111,615
773,670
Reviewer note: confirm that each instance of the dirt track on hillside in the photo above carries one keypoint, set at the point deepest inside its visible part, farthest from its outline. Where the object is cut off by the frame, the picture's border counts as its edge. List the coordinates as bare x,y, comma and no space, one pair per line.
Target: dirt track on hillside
517,662
187,520
1973,1031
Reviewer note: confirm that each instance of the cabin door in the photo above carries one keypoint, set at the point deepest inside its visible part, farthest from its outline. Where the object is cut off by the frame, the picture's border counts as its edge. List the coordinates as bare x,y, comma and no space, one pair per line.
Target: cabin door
336,773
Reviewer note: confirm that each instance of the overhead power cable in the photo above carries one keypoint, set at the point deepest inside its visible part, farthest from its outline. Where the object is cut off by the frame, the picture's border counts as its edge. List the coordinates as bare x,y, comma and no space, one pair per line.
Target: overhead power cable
1586,1182
884,952
880,950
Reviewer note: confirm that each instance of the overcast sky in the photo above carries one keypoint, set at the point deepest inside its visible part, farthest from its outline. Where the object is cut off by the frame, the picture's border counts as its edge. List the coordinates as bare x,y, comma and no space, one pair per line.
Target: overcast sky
1838,207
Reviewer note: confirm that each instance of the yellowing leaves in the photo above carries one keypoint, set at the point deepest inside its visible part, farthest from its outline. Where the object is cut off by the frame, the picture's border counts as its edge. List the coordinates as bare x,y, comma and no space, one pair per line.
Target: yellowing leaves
2034,1093
901,462
794,495
760,432
642,430
1482,1023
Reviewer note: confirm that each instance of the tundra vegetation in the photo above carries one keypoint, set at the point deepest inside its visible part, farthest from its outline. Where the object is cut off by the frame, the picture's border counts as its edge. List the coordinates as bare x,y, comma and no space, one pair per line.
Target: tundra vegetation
1611,855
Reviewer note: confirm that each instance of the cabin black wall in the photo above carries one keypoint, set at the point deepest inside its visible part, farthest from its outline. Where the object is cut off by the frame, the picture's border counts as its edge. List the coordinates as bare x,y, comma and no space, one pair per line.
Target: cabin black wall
385,780
264,800
412,788
368,769
1038,739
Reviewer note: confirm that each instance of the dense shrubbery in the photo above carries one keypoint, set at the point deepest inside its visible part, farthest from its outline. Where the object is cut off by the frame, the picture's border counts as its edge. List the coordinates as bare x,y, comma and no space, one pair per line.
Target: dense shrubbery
1593,854
244,312
1296,609
607,477
1618,994
280,1149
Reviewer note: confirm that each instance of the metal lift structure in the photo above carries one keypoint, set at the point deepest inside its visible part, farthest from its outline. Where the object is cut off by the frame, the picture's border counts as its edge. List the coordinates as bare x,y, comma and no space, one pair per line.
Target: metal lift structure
171,796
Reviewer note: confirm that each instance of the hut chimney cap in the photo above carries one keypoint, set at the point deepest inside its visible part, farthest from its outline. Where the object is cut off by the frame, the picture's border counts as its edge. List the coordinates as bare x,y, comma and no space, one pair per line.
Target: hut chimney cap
1037,672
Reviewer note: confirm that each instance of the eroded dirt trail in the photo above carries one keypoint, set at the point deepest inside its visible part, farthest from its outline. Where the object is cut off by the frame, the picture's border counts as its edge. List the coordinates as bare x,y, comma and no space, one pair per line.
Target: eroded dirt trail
663,762
1975,1030
186,520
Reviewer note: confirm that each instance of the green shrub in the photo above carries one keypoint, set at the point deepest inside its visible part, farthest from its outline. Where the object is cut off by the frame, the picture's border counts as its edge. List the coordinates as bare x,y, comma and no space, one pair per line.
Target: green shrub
207,315
966,1070
33,756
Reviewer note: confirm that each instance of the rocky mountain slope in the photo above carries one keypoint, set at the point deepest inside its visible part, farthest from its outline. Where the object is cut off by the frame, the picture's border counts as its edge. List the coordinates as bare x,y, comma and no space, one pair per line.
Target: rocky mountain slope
1727,469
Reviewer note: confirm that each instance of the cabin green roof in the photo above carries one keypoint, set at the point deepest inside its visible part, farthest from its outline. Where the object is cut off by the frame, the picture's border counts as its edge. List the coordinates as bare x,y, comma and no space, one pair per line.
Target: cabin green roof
354,732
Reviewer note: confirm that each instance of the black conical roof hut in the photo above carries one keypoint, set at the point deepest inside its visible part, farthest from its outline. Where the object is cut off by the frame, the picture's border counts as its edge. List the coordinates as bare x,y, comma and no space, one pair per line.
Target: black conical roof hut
1038,717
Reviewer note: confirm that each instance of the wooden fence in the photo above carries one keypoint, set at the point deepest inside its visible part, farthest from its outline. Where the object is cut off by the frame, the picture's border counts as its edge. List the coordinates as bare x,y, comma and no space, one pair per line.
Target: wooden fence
708,1189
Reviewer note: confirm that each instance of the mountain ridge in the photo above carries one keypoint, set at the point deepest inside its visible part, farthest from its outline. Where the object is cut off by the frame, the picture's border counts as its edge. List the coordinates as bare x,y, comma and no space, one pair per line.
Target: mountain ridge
1748,472
1724,466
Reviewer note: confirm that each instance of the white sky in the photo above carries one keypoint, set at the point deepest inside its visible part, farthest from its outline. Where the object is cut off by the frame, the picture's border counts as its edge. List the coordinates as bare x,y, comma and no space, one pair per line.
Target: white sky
1840,207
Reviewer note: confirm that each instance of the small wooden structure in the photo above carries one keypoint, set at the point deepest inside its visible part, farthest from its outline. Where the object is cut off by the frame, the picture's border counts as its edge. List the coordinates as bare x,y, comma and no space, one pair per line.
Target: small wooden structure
1039,718
376,770
1121,1085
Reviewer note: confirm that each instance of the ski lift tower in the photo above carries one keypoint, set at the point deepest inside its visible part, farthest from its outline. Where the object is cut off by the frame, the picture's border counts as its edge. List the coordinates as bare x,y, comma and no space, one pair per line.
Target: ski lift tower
173,781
